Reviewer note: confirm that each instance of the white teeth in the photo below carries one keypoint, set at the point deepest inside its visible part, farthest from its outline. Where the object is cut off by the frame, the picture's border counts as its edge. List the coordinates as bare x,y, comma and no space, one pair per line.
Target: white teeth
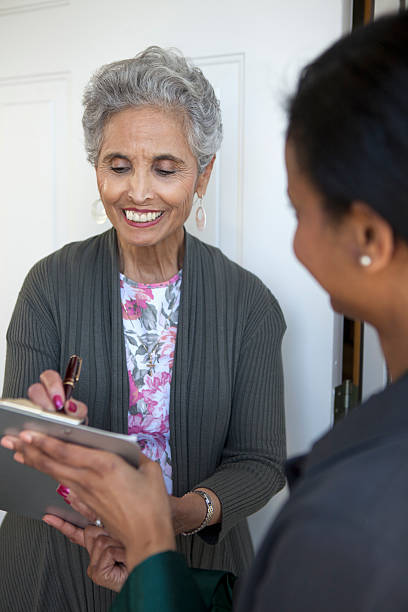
142,217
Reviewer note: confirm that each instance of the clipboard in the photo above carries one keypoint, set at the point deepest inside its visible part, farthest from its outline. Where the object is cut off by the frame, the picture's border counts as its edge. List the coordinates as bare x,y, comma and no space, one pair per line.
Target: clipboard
31,493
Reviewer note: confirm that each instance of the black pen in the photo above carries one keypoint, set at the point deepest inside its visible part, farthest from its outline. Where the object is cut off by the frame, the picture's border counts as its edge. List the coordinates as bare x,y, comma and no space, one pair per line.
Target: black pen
71,375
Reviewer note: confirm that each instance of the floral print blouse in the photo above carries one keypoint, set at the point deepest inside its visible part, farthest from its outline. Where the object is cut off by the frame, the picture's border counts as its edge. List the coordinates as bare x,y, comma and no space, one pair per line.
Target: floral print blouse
150,317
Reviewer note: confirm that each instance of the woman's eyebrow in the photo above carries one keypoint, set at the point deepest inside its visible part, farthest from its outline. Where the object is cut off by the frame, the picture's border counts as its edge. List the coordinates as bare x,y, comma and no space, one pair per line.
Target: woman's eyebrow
109,156
170,157
163,156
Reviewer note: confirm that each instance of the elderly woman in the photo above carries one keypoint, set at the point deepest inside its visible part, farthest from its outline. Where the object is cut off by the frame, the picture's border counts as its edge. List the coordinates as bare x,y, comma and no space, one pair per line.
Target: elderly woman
180,345
340,543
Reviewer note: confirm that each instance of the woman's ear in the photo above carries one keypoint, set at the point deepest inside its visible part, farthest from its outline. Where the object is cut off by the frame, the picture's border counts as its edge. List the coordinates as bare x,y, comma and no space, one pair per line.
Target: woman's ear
204,177
373,237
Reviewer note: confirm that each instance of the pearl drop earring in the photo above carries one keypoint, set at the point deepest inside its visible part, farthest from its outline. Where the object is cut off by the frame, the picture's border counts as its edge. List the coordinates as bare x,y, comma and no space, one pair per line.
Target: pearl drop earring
365,260
98,212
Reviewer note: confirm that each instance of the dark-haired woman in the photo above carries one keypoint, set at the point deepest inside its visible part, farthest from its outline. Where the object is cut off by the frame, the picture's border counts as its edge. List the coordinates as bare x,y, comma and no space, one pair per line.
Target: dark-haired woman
340,543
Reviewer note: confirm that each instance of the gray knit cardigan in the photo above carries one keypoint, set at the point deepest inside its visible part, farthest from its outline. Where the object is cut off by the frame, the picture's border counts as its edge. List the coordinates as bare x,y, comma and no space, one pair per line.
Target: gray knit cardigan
226,407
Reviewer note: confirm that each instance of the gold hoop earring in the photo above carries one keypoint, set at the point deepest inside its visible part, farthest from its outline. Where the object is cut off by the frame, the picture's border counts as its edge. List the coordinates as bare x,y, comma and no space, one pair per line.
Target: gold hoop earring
200,216
98,212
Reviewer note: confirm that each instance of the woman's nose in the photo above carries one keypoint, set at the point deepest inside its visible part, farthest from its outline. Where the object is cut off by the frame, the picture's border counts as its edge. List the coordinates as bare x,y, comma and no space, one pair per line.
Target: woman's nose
140,188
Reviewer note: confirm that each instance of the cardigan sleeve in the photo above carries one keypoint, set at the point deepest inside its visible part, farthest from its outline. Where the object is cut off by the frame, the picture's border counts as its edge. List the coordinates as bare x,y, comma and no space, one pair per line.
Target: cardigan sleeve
164,583
32,338
252,466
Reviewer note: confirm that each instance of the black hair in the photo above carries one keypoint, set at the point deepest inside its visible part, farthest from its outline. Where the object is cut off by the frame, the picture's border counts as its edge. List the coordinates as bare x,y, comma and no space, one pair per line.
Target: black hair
348,121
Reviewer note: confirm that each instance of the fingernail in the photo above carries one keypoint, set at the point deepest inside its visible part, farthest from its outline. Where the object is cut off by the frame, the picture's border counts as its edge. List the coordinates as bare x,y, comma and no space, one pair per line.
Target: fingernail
7,443
19,458
72,407
63,491
58,403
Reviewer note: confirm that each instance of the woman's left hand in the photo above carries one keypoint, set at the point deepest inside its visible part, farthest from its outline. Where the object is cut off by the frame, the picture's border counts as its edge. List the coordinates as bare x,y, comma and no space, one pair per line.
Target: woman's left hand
107,563
72,532
107,557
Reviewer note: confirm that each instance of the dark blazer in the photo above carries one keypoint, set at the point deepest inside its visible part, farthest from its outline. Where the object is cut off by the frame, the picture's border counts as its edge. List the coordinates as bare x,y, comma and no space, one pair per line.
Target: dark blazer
341,542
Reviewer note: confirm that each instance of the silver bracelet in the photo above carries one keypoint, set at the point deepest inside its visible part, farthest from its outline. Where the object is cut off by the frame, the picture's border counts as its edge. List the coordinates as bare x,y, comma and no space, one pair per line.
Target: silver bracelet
208,515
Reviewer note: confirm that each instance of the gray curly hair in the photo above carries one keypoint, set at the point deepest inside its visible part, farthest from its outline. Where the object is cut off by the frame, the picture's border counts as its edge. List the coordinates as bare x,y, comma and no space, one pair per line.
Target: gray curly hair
155,77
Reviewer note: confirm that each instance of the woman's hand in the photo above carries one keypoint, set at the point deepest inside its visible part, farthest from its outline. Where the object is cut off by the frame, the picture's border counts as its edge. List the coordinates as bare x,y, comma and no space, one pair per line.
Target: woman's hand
107,557
107,564
75,534
188,512
75,503
49,394
132,503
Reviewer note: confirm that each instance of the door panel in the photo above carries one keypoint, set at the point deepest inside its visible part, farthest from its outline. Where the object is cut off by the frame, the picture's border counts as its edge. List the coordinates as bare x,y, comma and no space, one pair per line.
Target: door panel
33,158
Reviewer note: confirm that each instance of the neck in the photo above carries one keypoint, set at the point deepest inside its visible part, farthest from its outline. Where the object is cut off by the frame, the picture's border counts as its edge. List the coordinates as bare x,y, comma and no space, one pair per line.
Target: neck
152,264
392,327
386,308
396,355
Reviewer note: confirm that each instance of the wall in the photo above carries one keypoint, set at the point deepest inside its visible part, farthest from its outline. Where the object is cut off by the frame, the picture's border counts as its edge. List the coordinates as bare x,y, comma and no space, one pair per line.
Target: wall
69,39
386,6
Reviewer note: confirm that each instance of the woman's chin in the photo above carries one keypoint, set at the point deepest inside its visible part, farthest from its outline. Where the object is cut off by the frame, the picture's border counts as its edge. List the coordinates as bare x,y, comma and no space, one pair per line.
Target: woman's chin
140,236
338,307
344,309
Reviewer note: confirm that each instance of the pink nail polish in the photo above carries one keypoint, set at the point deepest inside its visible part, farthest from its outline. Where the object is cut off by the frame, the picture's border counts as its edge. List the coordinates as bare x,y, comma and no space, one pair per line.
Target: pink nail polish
72,407
58,403
63,491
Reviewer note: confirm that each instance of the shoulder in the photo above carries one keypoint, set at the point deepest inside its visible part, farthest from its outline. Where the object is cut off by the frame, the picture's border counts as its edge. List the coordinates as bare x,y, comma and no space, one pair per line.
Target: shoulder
74,260
89,249
357,488
213,260
345,522
332,564
70,254
324,488
243,288
342,528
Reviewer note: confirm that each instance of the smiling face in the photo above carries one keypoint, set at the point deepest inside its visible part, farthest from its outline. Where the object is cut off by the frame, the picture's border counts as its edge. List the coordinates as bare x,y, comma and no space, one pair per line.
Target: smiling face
147,175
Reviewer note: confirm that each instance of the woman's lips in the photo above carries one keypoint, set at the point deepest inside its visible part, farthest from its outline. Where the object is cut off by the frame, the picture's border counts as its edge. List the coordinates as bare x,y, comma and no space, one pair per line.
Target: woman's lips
145,218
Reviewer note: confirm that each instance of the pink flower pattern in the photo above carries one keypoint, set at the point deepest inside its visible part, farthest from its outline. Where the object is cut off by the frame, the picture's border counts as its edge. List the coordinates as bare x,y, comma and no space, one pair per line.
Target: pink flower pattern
150,317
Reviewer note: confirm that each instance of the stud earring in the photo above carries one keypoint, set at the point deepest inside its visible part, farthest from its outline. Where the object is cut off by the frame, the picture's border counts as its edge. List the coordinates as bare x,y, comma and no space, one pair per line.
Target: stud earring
200,216
98,212
365,261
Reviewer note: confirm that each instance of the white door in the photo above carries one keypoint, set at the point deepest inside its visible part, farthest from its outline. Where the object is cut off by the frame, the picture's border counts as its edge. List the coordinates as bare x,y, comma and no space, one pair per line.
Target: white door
251,51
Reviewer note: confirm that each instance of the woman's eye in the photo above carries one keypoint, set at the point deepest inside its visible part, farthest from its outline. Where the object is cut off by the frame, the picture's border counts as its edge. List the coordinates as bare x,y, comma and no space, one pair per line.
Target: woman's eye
163,172
120,169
